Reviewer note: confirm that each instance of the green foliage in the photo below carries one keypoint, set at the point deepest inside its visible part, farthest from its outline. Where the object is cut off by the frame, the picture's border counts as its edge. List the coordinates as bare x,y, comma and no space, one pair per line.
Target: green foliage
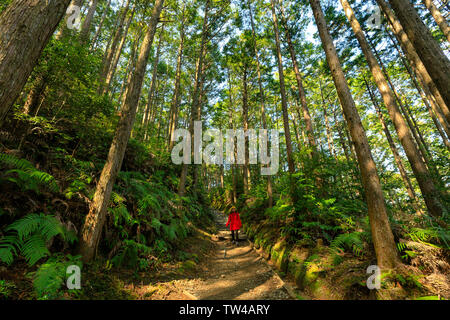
347,241
25,175
132,254
30,236
6,288
50,276
150,205
433,234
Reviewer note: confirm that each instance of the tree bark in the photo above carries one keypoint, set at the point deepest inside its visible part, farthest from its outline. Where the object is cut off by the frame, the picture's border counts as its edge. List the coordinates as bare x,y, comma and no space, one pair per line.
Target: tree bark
424,179
382,236
86,28
245,123
130,69
176,92
427,98
327,125
100,26
151,92
25,29
301,90
440,20
420,142
427,48
261,97
111,51
287,132
91,231
414,58
196,106
231,125
35,95
398,160
117,54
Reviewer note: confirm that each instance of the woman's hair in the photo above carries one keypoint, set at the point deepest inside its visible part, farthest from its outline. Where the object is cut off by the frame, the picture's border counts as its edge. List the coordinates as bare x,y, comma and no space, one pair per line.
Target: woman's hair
233,209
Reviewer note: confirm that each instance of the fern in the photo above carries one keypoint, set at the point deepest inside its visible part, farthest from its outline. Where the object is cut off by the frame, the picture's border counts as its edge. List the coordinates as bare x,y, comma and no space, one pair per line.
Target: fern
8,249
25,175
130,252
34,249
437,235
14,162
49,278
348,241
30,236
120,213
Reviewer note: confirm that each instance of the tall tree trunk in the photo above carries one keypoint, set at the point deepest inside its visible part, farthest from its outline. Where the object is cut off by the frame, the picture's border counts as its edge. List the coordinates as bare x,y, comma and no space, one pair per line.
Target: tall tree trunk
133,57
100,26
297,134
130,69
440,20
117,54
382,236
287,132
86,28
245,123
111,51
25,29
301,91
424,179
196,106
176,92
397,158
231,125
91,231
427,98
429,51
261,97
327,125
341,138
151,92
421,144
437,117
64,26
414,58
35,95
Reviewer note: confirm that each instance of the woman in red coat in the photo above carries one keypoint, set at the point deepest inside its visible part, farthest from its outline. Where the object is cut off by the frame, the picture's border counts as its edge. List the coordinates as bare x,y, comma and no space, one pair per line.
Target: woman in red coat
234,223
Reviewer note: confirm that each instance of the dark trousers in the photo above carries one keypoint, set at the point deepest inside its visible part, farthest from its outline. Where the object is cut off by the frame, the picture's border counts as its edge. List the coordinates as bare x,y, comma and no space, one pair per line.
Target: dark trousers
234,235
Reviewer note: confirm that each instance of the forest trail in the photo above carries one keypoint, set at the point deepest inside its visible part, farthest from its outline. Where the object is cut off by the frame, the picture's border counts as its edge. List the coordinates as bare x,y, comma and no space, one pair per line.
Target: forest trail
241,275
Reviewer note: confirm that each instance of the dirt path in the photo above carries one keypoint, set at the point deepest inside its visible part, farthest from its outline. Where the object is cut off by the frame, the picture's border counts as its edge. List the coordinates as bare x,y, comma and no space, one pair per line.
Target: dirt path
234,272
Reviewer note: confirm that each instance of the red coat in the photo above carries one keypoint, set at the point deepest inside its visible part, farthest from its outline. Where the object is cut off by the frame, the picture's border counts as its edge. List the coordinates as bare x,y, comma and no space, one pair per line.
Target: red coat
234,221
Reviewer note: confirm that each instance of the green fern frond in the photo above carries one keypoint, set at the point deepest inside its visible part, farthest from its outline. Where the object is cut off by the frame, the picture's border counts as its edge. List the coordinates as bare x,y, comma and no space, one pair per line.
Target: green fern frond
34,249
30,236
350,241
48,226
14,162
437,235
7,255
117,198
25,175
48,279
156,224
50,276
